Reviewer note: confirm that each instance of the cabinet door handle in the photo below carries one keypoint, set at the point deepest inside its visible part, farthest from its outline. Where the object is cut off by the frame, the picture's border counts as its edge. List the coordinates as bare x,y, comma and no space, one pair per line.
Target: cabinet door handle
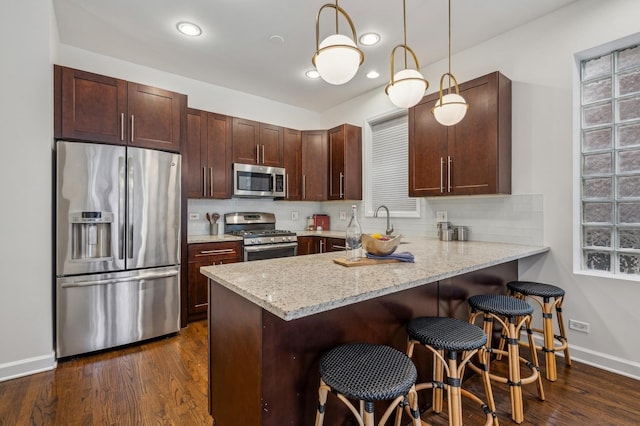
122,126
218,251
133,126
304,187
341,185
449,173
262,154
204,181
257,154
211,181
286,183
321,246
441,175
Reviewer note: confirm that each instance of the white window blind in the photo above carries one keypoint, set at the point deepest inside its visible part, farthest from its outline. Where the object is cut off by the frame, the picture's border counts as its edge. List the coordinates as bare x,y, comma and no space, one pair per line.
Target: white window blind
389,165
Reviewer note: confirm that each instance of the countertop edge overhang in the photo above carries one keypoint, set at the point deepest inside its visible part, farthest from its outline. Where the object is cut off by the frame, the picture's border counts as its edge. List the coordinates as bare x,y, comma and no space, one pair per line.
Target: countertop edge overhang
297,287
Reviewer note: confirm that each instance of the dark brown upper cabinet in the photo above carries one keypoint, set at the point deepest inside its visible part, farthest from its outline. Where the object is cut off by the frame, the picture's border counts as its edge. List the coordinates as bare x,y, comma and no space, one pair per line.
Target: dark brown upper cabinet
470,158
293,163
97,108
207,157
314,165
345,163
257,143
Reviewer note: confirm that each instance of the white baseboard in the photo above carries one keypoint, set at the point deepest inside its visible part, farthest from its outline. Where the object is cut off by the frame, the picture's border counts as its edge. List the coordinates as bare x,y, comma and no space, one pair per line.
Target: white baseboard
25,367
606,362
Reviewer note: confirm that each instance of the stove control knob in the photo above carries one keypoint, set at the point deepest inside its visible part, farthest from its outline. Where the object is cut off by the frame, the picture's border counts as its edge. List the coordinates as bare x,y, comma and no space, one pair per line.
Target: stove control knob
273,240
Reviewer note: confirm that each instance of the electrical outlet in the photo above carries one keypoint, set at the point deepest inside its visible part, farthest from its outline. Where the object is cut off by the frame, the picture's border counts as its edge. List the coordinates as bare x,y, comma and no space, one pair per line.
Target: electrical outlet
441,216
194,216
343,215
294,215
579,326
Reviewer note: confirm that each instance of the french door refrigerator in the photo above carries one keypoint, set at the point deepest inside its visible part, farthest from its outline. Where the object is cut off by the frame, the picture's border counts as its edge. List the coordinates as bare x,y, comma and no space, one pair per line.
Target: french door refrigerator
117,245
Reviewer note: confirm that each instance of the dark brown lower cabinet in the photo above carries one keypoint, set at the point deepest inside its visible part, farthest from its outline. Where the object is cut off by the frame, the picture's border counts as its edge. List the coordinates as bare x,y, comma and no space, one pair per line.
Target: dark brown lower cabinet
206,254
317,244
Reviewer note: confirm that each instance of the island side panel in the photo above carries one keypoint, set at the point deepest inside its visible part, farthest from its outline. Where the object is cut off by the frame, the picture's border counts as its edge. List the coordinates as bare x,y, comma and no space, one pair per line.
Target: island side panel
235,373
292,349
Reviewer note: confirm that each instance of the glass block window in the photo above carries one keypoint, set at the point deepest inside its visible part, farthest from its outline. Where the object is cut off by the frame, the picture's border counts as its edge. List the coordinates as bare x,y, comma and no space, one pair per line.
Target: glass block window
610,162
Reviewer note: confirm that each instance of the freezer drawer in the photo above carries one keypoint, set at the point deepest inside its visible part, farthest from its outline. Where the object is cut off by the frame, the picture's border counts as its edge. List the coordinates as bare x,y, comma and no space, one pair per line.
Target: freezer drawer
101,311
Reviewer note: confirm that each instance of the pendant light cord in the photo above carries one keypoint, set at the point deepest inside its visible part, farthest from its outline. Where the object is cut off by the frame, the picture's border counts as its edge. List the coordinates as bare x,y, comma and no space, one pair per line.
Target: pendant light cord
449,76
404,28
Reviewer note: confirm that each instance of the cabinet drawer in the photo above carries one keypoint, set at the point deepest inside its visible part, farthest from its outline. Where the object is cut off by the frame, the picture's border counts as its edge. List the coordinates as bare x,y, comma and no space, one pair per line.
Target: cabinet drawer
223,250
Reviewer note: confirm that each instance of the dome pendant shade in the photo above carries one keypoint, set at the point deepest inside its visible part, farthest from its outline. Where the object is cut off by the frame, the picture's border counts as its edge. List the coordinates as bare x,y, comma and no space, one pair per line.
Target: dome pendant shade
337,59
407,88
450,109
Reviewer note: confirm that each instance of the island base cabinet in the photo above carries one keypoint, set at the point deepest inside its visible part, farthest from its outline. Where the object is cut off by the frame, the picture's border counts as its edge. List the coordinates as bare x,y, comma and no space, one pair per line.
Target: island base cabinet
264,370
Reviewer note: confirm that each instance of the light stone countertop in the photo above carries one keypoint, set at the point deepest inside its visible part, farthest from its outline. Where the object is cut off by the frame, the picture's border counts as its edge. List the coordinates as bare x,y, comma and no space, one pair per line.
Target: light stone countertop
300,286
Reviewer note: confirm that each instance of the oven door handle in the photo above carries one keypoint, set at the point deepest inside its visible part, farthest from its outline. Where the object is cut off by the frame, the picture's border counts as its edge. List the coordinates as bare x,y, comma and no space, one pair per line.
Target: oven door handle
267,247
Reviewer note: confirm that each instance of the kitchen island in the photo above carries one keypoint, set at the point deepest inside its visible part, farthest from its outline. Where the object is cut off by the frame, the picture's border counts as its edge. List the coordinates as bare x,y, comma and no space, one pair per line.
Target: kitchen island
271,320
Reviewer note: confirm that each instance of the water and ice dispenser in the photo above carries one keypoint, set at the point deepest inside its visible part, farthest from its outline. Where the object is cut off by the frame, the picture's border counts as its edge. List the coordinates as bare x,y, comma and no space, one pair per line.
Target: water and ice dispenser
91,235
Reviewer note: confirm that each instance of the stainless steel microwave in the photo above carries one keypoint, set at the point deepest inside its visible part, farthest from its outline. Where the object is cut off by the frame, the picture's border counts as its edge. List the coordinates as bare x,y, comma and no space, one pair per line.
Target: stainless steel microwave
250,180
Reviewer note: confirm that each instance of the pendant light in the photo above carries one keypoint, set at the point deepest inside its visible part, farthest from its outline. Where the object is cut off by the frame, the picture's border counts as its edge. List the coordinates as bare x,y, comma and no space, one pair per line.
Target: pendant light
337,58
451,108
407,86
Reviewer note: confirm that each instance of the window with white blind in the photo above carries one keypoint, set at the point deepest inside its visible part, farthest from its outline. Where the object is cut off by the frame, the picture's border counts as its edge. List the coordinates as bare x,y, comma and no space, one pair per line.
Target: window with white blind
610,162
388,175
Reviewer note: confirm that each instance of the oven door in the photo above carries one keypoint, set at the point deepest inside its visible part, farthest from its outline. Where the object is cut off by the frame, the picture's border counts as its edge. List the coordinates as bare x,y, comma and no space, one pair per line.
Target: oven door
270,251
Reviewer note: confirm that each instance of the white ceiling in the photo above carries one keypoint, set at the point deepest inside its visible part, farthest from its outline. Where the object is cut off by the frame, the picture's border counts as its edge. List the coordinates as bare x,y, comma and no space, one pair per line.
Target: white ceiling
235,50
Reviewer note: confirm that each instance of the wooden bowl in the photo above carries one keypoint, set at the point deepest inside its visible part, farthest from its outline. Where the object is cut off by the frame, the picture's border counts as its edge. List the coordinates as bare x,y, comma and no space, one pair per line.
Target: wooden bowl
380,247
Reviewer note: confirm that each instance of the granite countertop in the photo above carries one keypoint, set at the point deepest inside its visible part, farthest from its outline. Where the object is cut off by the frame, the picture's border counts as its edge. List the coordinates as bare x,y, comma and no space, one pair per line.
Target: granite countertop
195,239
300,286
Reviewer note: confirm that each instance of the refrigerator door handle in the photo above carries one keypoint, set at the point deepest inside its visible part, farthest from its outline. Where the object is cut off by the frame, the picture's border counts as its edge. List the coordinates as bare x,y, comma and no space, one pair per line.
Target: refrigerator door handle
130,181
121,206
140,277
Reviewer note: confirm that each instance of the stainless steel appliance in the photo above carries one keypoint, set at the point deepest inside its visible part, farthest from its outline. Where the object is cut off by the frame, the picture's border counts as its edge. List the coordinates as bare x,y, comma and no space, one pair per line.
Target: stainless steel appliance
117,245
251,180
261,239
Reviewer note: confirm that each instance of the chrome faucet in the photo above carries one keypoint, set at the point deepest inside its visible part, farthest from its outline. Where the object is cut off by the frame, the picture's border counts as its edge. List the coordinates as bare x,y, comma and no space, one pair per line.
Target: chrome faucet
389,230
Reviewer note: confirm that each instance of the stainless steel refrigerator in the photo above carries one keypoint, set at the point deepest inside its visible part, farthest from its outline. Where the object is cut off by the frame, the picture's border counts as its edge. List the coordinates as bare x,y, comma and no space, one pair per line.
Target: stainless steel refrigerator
117,245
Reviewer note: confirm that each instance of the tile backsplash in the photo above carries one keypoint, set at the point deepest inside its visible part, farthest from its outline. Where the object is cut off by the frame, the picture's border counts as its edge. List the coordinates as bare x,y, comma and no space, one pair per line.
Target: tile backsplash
510,219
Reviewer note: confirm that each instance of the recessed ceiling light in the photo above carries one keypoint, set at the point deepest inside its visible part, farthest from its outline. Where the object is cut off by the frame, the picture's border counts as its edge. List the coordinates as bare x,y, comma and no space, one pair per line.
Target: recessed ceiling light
188,28
276,39
369,39
313,74
373,74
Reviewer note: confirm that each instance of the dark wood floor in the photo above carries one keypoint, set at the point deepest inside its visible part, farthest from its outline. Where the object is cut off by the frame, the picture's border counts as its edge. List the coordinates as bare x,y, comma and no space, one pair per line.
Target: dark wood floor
164,382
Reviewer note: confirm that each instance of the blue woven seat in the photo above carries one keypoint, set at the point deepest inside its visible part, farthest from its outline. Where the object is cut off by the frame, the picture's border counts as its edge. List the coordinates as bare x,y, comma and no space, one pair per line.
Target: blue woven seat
446,333
530,288
368,372
499,304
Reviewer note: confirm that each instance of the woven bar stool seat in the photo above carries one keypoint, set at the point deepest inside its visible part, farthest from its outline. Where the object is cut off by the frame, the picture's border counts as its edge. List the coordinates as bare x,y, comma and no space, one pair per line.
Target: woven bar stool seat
368,373
512,314
549,298
445,338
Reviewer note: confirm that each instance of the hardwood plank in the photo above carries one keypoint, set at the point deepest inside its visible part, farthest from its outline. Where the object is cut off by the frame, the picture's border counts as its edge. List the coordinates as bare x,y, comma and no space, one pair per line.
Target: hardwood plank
165,382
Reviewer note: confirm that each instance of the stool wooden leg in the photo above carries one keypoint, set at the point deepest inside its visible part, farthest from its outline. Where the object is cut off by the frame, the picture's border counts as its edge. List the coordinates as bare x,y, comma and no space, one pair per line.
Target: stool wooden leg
322,403
515,384
563,334
534,360
453,391
438,376
486,381
549,342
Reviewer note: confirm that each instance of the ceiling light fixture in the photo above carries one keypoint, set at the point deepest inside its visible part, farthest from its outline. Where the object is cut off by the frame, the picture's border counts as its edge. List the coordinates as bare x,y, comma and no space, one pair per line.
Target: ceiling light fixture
312,74
369,39
337,58
188,28
407,86
373,74
451,108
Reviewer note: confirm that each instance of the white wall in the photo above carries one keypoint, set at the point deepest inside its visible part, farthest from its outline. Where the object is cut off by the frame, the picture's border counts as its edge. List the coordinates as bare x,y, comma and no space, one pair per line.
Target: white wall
537,57
26,116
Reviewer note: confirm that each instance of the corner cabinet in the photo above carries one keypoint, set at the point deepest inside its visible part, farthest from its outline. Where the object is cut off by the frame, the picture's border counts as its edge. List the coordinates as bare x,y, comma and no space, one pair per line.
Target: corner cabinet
314,165
345,163
206,254
472,157
97,108
257,143
208,155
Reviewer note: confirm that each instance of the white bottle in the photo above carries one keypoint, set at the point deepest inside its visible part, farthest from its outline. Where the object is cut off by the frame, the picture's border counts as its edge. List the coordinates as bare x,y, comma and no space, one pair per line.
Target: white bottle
354,237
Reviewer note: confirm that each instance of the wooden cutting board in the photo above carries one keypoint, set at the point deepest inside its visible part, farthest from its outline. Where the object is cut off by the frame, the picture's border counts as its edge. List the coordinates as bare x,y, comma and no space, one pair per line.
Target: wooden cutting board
365,261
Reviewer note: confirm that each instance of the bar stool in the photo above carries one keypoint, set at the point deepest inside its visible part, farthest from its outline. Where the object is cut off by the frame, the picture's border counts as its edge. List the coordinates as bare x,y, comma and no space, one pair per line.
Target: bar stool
440,335
368,373
512,314
542,295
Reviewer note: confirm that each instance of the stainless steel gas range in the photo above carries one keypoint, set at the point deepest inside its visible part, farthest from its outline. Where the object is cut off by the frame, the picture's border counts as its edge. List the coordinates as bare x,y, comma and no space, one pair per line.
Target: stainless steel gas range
261,239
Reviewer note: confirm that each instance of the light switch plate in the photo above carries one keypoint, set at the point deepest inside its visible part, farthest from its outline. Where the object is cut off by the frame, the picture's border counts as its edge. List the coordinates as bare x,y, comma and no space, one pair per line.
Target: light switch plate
343,215
294,215
441,216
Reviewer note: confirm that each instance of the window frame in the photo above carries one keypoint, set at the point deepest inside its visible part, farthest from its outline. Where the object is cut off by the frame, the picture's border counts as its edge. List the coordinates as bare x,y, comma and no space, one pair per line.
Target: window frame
367,137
